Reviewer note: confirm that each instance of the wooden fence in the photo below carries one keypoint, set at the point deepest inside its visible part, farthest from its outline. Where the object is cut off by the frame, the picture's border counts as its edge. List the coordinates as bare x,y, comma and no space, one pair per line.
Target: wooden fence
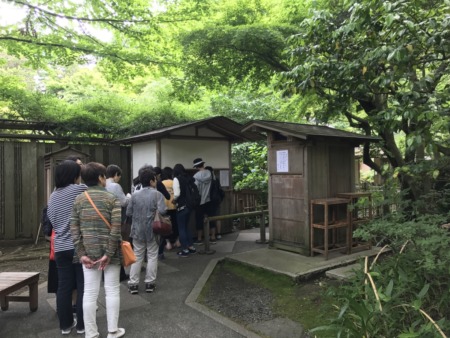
235,202
22,190
248,201
22,184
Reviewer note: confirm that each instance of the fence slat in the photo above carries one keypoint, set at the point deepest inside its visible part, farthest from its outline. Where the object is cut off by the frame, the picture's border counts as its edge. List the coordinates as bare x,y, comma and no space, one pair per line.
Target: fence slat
22,182
10,192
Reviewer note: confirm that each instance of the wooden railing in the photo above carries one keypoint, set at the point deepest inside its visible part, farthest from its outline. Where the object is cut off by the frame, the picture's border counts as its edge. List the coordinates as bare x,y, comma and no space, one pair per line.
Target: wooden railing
246,201
262,227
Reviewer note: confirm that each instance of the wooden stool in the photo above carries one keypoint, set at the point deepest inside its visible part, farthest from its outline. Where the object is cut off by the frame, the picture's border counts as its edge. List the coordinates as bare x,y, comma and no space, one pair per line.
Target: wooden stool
358,216
327,224
13,281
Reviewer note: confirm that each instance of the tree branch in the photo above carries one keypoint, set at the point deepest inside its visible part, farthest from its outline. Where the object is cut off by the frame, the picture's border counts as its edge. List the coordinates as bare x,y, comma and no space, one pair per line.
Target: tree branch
80,49
367,159
99,20
362,123
69,17
443,150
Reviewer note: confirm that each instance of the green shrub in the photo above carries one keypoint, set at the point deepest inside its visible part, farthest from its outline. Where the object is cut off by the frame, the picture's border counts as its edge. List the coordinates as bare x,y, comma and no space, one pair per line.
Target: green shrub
405,293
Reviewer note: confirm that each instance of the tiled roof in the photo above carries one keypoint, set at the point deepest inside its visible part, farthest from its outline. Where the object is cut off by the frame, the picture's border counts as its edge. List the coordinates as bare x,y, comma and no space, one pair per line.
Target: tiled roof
219,124
305,131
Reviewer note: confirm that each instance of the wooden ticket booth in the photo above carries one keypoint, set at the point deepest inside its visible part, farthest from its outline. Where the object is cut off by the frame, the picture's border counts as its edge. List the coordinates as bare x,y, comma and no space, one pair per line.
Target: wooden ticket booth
305,162
51,160
209,139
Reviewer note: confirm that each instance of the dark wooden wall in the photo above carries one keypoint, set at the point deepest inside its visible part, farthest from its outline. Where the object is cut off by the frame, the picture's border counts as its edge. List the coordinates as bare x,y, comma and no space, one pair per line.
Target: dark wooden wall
22,187
317,169
288,199
331,169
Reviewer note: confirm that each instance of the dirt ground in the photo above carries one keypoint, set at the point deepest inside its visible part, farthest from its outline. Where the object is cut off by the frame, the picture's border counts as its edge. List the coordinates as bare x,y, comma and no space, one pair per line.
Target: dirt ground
26,257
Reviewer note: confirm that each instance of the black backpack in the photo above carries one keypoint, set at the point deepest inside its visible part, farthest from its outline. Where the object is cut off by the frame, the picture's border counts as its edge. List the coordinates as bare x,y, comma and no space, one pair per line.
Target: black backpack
47,226
216,194
193,197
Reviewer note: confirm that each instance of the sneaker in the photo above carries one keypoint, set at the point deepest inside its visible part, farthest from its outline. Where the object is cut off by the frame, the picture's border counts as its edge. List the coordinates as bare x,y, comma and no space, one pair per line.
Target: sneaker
161,257
119,333
80,331
212,241
150,287
219,237
192,251
183,253
133,289
197,242
69,330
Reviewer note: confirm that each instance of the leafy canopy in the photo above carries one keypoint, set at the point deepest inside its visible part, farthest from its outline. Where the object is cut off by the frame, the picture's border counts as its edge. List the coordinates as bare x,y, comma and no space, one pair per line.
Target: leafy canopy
384,67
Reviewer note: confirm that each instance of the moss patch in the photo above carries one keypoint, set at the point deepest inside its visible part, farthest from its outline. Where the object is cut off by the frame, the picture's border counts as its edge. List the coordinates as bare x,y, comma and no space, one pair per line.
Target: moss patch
248,295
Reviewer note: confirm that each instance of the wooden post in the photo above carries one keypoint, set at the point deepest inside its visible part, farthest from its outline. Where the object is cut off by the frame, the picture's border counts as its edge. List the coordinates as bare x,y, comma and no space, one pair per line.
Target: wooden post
242,219
262,229
206,243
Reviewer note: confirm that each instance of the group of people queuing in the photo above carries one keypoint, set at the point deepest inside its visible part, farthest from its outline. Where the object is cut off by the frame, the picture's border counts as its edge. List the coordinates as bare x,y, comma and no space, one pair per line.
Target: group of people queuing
88,212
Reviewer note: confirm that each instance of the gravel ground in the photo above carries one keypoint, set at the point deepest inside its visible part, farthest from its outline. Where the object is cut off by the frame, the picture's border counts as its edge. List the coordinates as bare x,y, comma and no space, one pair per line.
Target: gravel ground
237,299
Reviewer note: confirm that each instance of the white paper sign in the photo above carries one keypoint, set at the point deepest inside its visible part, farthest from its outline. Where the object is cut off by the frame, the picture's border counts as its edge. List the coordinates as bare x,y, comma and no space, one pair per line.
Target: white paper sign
282,161
224,178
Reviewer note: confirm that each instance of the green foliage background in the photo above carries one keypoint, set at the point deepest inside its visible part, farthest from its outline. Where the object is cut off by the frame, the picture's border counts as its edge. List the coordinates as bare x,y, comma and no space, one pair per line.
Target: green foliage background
115,68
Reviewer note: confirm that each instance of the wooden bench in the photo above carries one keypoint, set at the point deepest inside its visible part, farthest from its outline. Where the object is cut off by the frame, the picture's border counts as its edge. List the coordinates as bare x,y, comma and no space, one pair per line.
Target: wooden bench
13,281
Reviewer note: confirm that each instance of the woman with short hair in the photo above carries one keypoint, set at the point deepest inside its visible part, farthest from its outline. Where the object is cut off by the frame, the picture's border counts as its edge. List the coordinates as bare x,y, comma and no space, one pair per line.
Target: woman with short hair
142,209
97,246
70,273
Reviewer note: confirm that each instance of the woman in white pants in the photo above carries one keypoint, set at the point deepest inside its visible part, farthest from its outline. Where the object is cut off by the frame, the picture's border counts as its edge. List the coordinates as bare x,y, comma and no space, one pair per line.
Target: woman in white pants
95,226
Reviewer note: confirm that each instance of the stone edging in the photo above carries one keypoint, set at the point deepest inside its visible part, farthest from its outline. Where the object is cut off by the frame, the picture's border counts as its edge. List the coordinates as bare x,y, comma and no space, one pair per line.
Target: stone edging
191,301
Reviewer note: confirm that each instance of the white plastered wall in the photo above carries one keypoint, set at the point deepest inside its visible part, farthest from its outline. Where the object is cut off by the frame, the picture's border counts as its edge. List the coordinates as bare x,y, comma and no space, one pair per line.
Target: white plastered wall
216,153
143,153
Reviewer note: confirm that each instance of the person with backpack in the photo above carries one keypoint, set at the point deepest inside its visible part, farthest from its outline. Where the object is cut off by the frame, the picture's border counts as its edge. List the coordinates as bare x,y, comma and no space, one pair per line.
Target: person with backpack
203,179
184,198
216,195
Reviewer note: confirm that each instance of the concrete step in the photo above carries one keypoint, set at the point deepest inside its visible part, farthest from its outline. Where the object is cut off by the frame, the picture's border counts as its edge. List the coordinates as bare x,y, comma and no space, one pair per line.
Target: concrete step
344,272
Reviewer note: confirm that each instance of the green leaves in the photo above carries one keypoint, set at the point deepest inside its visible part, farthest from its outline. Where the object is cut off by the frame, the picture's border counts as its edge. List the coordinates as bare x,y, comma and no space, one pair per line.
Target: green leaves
382,65
250,168
66,32
224,55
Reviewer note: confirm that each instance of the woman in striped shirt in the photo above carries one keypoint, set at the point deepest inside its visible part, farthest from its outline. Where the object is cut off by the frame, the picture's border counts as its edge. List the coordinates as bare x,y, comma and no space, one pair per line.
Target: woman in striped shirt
96,241
70,273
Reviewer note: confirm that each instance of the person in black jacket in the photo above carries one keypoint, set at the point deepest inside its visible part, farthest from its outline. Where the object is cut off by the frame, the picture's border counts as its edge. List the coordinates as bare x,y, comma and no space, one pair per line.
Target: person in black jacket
159,184
180,186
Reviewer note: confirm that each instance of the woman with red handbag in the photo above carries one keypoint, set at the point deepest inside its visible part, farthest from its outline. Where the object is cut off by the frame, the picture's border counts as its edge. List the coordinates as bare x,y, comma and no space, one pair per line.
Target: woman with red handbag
142,209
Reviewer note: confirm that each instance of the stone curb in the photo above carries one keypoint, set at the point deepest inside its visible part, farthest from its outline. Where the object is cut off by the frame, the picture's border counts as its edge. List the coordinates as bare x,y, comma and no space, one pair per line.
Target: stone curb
191,301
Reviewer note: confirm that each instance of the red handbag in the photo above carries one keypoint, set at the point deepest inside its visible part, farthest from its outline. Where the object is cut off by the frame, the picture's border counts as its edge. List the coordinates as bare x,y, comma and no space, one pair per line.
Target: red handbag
162,225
